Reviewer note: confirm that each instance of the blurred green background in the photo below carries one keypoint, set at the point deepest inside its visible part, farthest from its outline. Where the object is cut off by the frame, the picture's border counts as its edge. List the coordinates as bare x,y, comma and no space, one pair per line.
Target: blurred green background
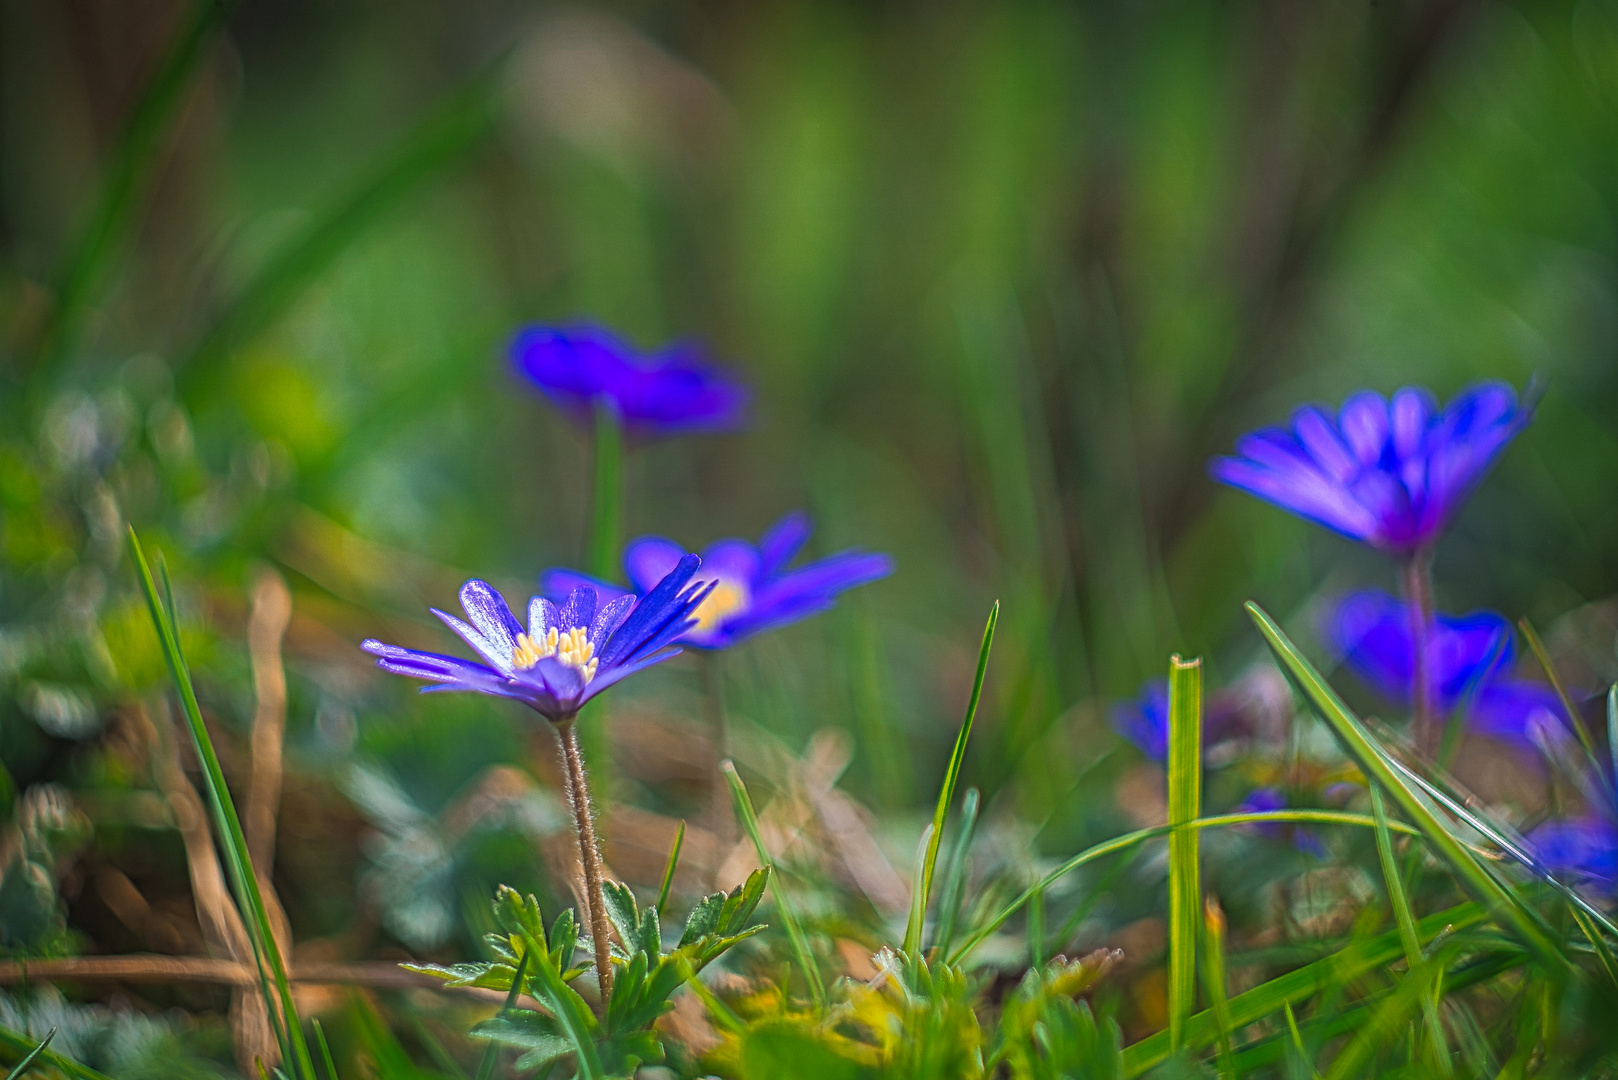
1003,275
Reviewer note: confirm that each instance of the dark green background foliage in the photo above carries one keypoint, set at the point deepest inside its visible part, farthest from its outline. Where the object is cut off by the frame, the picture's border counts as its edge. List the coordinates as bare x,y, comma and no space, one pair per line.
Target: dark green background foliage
1003,275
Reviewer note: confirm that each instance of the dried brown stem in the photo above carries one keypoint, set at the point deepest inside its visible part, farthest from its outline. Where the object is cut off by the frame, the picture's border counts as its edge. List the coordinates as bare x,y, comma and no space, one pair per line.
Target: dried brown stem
266,626
578,795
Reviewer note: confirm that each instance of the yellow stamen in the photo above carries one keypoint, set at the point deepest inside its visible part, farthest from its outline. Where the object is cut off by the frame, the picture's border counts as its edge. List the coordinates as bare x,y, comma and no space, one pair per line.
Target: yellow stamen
572,648
724,599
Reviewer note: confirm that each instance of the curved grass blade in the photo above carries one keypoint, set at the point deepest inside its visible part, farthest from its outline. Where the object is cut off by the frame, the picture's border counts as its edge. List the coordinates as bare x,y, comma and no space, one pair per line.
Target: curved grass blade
946,793
440,138
325,1050
789,917
668,871
132,160
33,1055
1130,840
1184,805
1544,657
1508,909
232,841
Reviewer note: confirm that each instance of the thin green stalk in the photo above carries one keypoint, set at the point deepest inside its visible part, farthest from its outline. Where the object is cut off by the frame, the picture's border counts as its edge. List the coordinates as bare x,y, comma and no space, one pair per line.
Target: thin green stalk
233,843
1216,981
1406,923
789,917
1538,648
668,871
946,792
1036,929
491,1053
325,1050
949,900
1184,806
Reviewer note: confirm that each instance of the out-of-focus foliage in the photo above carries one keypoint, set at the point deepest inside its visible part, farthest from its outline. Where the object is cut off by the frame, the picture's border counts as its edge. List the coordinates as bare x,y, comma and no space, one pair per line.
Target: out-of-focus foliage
1004,275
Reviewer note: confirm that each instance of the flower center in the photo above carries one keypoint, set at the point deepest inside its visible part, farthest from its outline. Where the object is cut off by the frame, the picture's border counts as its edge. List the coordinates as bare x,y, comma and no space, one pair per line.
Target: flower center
572,648
724,599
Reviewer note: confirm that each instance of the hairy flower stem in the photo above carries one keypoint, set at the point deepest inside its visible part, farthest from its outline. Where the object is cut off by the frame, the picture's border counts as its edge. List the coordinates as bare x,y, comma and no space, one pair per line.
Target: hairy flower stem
1417,585
578,797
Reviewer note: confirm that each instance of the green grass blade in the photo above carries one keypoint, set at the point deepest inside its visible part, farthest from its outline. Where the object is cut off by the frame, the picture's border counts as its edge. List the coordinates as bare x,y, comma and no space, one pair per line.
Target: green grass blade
33,1055
1390,1016
441,138
1266,999
607,498
132,160
1508,909
1544,657
15,1043
783,904
1612,731
1184,805
946,792
232,842
1406,923
1036,928
1216,981
949,899
1130,840
668,871
325,1050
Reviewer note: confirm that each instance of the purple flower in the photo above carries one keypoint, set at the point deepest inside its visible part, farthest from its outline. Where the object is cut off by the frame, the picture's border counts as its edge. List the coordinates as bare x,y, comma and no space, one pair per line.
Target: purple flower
1263,800
1584,851
569,654
1390,474
669,392
1466,655
1144,721
753,590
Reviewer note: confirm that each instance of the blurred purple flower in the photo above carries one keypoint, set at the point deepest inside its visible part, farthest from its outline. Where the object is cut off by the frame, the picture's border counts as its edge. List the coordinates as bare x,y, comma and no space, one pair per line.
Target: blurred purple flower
1144,720
568,655
1390,474
1583,851
1261,800
1466,655
753,591
669,392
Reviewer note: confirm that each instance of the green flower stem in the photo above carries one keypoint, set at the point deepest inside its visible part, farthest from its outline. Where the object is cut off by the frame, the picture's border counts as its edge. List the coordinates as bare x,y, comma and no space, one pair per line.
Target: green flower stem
606,509
578,797
1417,585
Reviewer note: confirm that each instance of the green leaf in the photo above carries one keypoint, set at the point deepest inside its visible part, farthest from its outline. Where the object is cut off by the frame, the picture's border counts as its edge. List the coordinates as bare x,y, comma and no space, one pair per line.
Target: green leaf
946,792
1372,760
1406,923
789,918
564,940
525,1030
620,903
704,918
1184,805
233,842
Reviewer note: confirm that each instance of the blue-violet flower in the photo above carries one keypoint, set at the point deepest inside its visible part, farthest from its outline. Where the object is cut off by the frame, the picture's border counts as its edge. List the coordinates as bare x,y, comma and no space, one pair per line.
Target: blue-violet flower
570,652
1144,719
1390,474
669,392
753,589
1468,657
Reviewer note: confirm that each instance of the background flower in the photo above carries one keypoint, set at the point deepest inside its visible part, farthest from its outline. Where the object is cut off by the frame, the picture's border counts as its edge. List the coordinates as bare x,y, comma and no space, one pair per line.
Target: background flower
1389,474
667,392
753,590
1466,655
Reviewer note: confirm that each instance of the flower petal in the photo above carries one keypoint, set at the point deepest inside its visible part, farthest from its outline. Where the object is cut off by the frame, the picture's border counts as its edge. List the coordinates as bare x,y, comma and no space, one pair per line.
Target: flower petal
649,560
